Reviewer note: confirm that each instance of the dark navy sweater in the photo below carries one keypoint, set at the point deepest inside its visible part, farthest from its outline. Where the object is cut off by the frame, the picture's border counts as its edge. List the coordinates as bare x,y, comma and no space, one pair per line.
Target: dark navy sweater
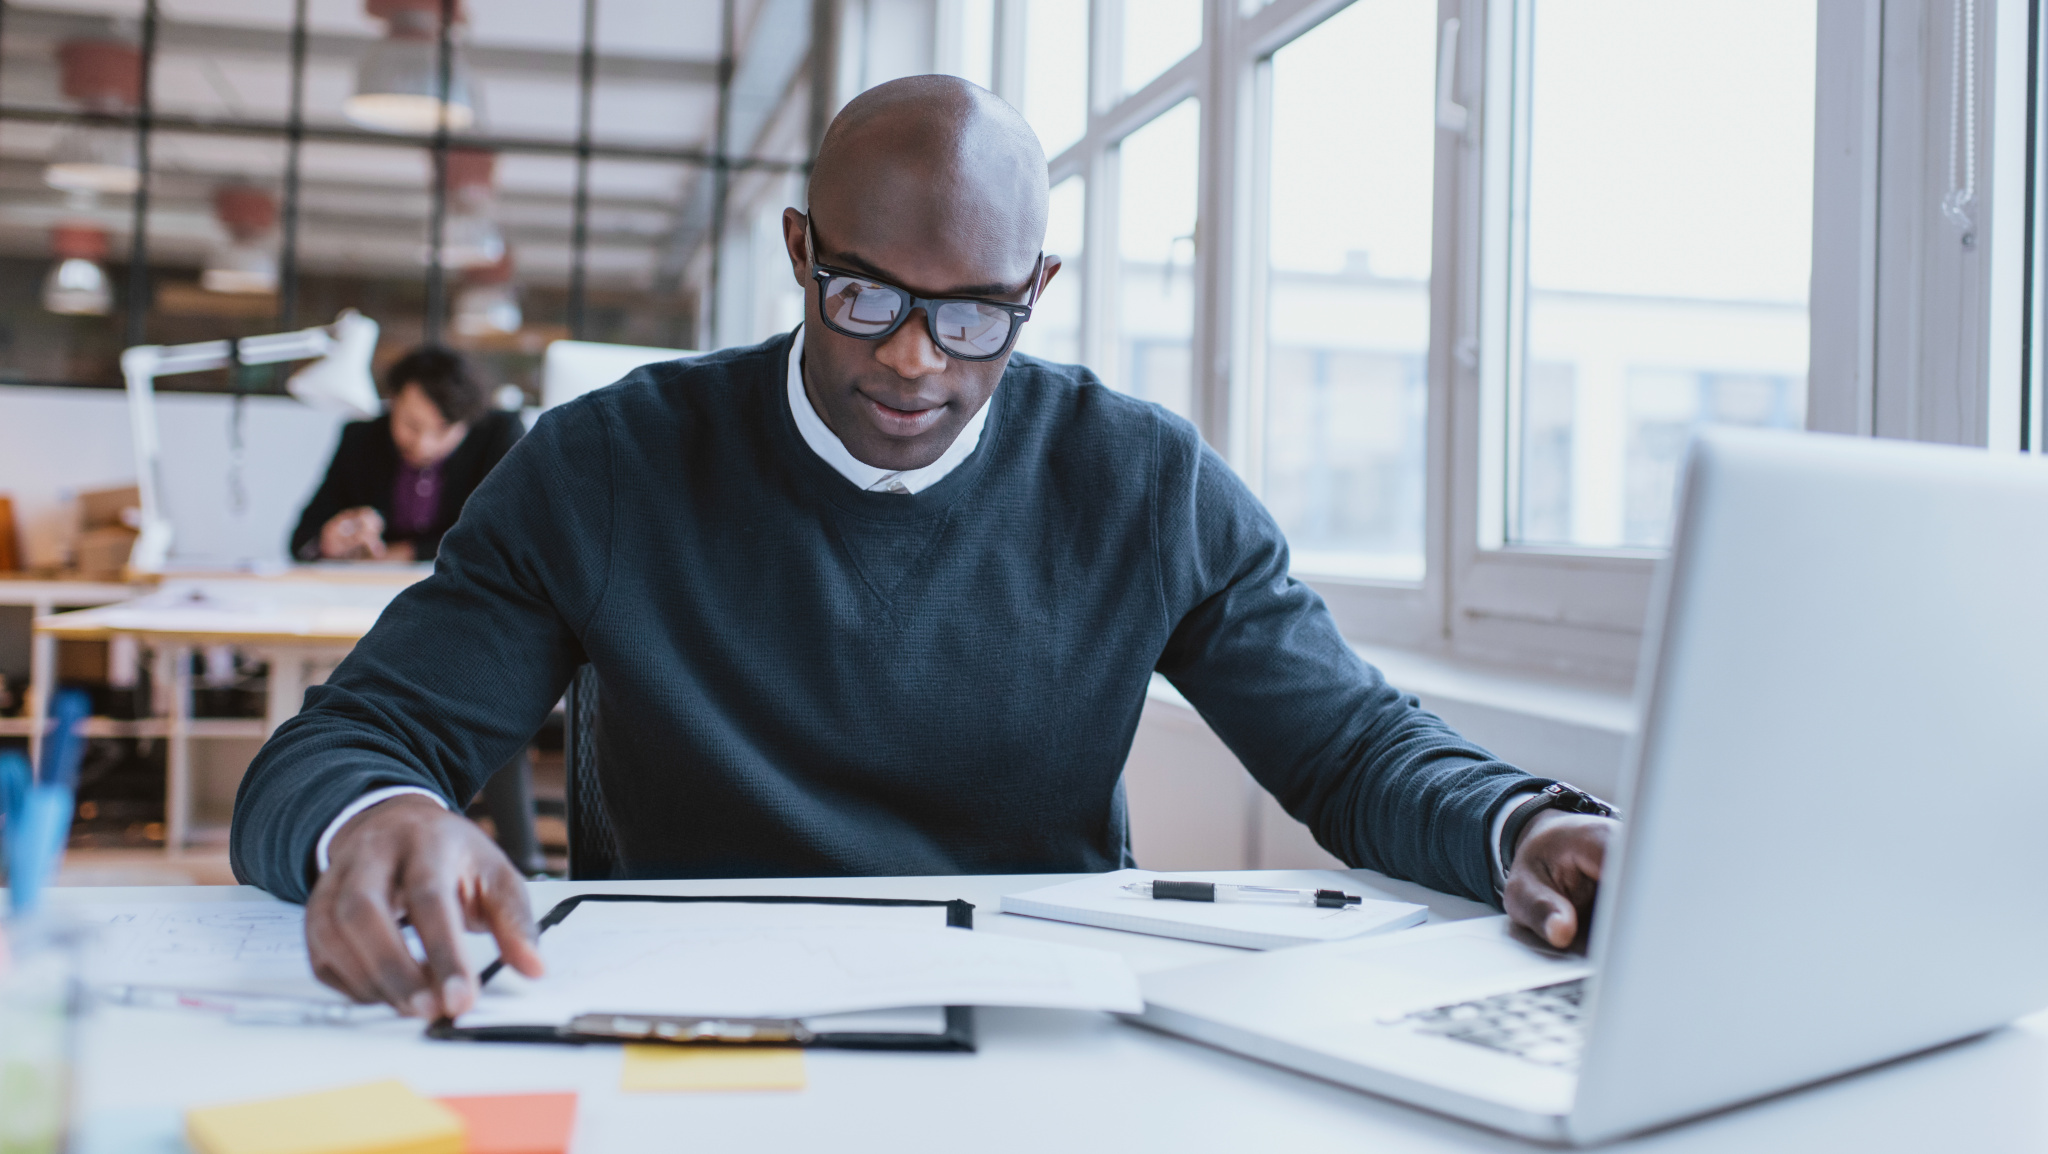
800,678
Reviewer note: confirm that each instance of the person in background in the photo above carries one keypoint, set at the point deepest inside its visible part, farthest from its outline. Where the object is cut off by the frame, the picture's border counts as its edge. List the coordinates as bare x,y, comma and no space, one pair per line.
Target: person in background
399,482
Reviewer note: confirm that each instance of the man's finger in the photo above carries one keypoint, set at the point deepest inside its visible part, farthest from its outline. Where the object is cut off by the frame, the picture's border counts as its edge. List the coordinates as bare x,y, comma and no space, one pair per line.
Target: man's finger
500,904
369,927
434,914
334,961
1542,910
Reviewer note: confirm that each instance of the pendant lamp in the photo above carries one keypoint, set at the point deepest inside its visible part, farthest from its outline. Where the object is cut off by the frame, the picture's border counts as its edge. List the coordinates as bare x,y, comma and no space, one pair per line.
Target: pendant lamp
103,76
398,82
77,284
245,262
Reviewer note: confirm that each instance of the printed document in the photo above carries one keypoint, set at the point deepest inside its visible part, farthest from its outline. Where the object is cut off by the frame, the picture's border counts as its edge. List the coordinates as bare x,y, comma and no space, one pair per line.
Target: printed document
739,959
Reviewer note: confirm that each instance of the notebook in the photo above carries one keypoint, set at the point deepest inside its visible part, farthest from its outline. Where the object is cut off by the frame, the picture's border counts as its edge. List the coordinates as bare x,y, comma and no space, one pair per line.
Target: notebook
1101,901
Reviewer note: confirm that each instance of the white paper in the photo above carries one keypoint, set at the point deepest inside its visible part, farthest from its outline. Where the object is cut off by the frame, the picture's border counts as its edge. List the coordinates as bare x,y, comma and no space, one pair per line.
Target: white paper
736,959
252,949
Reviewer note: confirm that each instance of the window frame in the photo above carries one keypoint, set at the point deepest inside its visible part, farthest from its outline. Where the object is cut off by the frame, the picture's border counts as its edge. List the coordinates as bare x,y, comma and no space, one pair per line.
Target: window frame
1880,111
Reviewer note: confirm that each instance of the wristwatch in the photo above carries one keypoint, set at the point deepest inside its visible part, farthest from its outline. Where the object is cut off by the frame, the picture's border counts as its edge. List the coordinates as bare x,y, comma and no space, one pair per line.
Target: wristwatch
1556,795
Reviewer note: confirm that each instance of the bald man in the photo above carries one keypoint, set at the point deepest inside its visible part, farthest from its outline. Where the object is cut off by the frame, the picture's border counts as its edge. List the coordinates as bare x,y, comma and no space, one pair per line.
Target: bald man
874,597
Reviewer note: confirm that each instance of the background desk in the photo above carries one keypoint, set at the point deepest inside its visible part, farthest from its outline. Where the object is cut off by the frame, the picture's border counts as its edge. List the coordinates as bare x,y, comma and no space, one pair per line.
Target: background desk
1042,1081
301,623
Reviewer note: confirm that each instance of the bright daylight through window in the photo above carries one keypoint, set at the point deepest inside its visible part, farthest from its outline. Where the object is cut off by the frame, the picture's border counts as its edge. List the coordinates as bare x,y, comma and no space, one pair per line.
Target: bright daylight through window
1156,34
1156,171
1055,329
1055,96
1669,165
1347,299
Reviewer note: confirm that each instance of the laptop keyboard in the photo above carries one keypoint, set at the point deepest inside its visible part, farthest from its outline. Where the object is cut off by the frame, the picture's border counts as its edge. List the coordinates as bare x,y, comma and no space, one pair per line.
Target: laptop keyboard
1539,1025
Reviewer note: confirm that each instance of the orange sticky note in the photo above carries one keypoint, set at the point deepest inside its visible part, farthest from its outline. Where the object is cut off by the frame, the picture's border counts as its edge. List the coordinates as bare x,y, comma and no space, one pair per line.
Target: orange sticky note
516,1123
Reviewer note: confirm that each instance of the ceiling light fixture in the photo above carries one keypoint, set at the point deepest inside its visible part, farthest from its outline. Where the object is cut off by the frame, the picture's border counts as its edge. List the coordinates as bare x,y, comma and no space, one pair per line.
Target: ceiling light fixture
76,285
398,82
245,262
488,304
469,236
104,77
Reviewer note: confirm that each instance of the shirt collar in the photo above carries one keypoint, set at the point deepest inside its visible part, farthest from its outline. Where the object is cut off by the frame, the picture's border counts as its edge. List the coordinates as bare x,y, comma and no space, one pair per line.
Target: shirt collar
824,442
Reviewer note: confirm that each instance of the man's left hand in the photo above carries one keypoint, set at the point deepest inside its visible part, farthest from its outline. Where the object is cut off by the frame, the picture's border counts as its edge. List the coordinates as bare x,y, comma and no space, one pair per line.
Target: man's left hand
1556,874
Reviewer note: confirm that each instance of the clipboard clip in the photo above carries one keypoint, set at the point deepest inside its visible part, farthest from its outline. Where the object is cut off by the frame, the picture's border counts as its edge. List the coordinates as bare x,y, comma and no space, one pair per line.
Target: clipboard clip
672,1028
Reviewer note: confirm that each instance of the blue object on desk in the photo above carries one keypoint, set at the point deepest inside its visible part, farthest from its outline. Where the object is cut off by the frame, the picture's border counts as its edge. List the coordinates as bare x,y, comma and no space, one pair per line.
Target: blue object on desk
37,807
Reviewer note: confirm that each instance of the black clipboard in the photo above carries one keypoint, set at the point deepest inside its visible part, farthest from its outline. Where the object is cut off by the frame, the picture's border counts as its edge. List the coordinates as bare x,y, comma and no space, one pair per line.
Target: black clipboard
665,1030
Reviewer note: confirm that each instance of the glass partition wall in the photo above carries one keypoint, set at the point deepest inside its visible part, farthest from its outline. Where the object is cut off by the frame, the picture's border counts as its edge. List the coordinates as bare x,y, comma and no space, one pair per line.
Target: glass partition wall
493,176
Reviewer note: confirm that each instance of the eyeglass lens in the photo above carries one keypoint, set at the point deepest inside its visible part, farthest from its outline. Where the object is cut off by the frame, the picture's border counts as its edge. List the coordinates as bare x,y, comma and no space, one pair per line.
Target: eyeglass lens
865,308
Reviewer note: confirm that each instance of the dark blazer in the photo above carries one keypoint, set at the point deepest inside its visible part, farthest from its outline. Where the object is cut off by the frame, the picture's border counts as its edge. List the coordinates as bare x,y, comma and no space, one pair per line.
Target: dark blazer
365,468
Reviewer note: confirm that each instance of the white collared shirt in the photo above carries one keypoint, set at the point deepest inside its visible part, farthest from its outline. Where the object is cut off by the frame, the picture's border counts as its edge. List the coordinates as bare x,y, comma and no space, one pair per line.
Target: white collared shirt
824,442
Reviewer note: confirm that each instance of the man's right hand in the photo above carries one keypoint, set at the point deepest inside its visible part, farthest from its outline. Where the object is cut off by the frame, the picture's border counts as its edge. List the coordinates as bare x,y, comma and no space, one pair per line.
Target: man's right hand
409,858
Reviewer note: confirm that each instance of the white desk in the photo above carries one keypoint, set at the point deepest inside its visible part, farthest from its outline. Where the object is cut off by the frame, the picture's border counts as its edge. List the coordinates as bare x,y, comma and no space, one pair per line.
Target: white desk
301,622
1043,1081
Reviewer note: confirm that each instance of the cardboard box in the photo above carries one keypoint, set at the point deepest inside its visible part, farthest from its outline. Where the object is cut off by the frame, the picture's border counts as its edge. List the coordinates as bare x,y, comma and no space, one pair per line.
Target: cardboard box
10,549
103,552
108,508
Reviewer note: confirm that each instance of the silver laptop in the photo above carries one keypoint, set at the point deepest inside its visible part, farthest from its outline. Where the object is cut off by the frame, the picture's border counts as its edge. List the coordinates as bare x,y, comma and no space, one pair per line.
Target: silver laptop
1834,850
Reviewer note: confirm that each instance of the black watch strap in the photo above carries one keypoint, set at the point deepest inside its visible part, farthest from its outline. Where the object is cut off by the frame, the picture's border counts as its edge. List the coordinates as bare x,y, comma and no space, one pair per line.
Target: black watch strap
1555,795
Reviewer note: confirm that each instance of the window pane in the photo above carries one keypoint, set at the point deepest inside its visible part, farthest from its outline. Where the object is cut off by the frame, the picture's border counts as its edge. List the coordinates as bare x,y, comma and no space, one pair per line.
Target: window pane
1054,330
1670,213
1157,33
1347,328
1056,71
1156,170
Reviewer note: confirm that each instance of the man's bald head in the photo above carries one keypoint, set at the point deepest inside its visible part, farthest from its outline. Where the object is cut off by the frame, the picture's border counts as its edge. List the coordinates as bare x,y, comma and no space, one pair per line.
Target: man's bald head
932,162
936,186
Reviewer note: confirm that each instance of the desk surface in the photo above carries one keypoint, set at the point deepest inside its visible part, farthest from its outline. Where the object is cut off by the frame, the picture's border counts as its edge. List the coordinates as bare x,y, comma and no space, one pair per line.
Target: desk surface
321,607
1042,1081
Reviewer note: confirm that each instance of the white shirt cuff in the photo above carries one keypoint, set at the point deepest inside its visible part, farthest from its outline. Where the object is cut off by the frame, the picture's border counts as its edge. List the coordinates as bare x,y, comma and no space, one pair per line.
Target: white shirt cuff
1500,823
386,794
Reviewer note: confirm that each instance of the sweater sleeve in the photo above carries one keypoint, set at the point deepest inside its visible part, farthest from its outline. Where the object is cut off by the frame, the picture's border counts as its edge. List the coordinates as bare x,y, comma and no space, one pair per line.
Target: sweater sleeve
1382,783
460,669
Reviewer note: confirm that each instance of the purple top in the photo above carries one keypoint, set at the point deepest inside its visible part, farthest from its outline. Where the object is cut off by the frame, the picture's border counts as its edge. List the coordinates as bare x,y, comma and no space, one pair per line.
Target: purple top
415,500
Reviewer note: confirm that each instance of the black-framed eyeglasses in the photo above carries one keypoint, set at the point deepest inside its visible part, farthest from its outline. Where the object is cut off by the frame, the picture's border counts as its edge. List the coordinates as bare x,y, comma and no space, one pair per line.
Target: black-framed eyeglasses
969,328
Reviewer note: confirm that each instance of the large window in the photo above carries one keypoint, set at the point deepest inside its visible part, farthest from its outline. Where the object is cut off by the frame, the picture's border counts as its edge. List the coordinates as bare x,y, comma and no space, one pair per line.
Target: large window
1347,290
1666,165
1157,171
1450,284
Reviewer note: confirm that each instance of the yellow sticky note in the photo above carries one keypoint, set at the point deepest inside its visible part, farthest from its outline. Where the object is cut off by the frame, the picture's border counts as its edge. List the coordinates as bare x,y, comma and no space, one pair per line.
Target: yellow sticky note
658,1068
377,1118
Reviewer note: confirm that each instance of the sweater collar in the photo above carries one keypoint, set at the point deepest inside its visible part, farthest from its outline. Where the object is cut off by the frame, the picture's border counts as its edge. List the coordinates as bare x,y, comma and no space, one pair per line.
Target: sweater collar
830,449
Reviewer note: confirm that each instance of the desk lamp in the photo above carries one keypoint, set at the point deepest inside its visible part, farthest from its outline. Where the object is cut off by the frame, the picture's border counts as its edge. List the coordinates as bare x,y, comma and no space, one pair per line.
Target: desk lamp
338,382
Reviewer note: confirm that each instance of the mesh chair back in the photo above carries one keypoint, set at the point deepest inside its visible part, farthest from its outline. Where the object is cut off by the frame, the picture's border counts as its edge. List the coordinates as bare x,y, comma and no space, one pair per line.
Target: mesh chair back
593,844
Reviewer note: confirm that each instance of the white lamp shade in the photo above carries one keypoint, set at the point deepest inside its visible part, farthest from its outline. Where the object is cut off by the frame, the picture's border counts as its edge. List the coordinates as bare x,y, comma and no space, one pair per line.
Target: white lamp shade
341,382
78,287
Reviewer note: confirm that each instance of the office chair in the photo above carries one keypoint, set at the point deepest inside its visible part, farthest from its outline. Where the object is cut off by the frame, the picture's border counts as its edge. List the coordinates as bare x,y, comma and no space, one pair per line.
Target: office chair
593,843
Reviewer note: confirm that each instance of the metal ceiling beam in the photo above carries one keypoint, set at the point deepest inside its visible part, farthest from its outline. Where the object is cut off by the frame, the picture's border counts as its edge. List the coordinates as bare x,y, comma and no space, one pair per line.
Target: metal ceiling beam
30,30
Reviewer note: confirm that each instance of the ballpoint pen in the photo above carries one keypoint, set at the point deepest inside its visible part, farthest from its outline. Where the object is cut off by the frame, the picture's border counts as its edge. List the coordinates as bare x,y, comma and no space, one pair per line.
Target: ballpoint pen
1164,890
